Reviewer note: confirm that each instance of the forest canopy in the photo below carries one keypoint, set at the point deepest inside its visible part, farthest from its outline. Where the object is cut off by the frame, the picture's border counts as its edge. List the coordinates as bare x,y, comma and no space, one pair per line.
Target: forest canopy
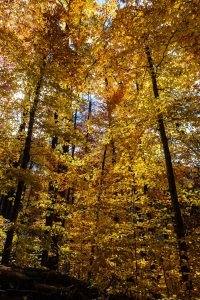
99,143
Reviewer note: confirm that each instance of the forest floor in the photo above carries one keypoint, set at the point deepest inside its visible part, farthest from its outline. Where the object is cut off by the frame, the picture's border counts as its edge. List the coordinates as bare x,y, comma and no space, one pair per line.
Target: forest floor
37,284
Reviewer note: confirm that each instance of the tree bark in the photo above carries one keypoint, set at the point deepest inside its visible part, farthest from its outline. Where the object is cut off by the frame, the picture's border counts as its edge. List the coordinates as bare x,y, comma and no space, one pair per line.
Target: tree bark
179,225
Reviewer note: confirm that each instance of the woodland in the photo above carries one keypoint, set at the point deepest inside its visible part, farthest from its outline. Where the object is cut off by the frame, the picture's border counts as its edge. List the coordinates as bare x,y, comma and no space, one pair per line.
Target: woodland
99,149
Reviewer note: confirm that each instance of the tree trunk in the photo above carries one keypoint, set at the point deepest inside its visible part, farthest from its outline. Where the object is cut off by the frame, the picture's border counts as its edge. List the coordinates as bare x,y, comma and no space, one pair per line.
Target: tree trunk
6,205
88,118
94,247
75,121
45,261
23,165
179,225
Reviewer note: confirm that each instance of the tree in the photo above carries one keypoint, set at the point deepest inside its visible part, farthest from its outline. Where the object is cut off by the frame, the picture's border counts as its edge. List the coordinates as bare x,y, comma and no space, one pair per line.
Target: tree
99,161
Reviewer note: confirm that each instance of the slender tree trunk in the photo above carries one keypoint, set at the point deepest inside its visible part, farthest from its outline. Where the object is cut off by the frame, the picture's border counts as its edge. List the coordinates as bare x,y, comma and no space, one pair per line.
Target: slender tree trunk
75,122
6,205
110,119
70,191
94,247
49,219
52,262
23,165
179,225
88,118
